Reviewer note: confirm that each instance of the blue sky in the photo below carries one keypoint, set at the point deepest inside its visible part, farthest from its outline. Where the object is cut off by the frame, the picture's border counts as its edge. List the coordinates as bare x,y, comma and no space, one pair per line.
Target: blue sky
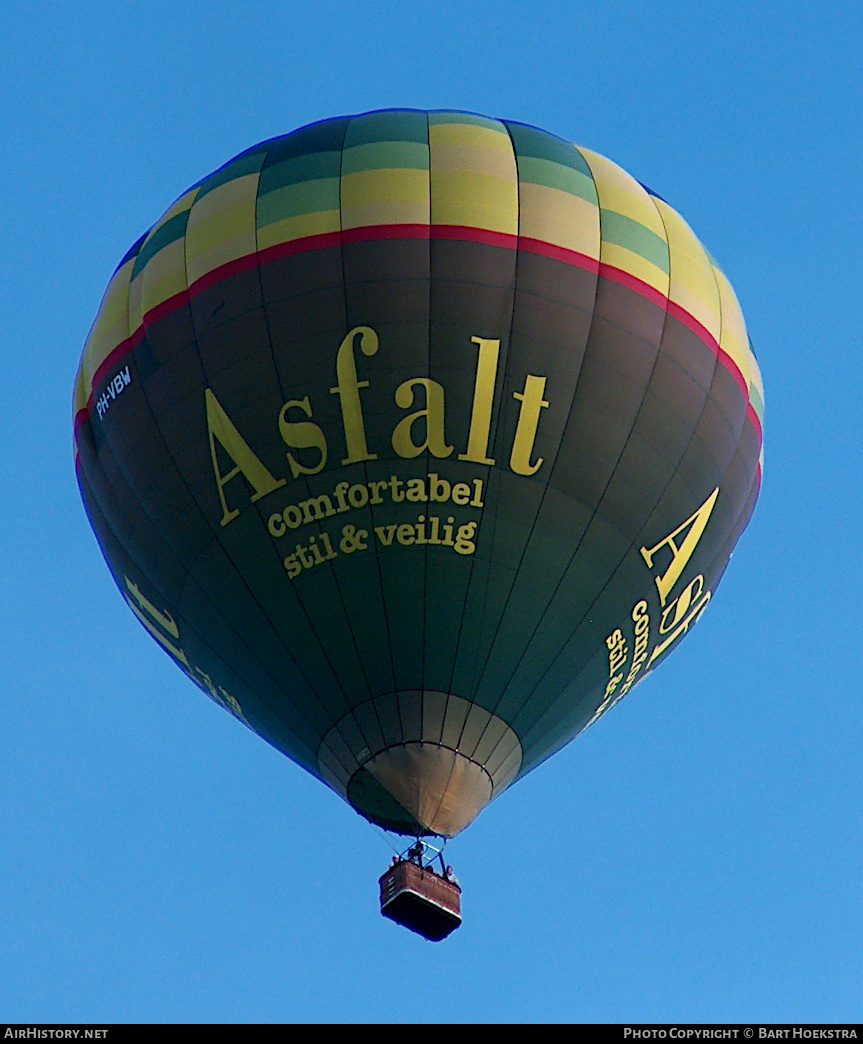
694,857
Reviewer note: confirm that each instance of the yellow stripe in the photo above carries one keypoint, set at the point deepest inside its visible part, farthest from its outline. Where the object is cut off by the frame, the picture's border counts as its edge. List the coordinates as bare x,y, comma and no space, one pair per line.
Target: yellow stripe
164,276
221,226
138,306
183,203
620,192
558,217
136,315
693,285
733,339
751,370
475,159
474,179
474,200
392,213
385,186
469,134
635,265
112,323
289,229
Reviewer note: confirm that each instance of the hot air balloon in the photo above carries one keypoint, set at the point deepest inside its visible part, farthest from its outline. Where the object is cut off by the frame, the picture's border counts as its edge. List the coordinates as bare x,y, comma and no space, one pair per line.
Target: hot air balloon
417,440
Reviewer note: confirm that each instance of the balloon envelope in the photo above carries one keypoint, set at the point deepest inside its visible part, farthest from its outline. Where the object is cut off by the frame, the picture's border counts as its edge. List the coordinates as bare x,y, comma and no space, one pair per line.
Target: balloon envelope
417,440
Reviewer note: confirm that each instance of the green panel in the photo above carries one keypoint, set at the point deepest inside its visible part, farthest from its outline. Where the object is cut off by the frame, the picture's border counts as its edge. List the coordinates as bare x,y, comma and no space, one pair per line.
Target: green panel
248,163
310,197
625,232
298,169
555,175
390,125
169,233
384,155
533,142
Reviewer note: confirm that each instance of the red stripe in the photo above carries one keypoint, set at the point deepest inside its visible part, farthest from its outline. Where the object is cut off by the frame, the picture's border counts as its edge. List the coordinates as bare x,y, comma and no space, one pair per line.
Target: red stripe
558,253
475,235
300,246
691,323
734,370
418,231
239,264
170,304
119,353
617,275
81,417
375,232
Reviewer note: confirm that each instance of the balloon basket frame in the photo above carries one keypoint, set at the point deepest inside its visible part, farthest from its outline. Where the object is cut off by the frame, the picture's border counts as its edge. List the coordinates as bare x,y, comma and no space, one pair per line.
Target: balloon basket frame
419,898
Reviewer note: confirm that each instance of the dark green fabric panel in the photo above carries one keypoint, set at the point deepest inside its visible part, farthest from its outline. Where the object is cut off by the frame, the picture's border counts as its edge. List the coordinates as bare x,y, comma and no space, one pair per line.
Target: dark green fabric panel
388,125
531,141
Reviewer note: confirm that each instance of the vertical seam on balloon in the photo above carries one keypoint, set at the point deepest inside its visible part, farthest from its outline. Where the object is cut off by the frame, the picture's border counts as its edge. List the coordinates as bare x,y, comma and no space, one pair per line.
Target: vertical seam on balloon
266,318
190,628
347,327
428,354
158,428
477,677
484,585
552,464
720,350
335,579
495,790
613,471
444,792
493,441
425,561
344,298
429,350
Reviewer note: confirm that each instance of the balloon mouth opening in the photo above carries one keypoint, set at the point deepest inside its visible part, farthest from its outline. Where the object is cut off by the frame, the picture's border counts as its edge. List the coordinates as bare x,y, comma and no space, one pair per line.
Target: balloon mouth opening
419,762
420,789
374,803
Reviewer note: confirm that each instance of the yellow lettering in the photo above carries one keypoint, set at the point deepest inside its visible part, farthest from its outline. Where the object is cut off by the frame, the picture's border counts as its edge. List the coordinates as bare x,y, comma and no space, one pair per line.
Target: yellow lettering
316,508
528,421
680,621
221,427
680,555
435,442
405,534
348,391
276,525
461,493
302,435
416,490
483,400
164,620
464,543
